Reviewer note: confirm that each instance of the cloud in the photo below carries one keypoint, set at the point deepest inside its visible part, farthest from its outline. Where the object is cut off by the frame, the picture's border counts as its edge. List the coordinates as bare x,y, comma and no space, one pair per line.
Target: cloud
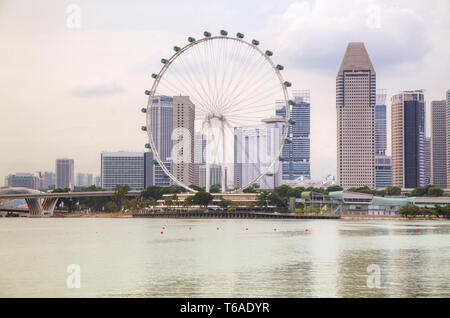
97,89
315,34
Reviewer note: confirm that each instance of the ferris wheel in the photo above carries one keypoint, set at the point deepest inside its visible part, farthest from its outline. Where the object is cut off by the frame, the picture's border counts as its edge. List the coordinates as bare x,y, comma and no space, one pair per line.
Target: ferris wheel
223,83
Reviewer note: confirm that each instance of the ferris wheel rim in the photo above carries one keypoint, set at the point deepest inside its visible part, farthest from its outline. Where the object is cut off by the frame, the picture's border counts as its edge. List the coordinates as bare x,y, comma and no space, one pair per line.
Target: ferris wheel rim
160,75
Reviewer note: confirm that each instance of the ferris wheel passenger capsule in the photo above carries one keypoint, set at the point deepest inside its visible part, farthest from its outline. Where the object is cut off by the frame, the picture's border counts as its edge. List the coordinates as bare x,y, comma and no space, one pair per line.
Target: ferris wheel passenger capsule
154,162
176,48
144,110
280,67
154,75
144,128
288,141
256,186
287,84
255,42
207,34
291,122
147,146
191,39
291,102
240,35
223,32
269,53
164,61
147,92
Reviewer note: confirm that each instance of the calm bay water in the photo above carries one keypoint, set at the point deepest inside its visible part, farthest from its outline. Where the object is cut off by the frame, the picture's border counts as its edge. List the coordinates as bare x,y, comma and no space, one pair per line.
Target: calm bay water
131,258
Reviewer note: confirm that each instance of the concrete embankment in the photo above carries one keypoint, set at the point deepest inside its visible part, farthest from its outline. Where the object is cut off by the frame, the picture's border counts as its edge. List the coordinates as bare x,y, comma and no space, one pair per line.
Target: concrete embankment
229,215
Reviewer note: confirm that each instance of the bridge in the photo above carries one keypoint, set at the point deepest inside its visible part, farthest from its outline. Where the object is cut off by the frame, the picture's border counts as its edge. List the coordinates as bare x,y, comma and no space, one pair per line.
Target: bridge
44,203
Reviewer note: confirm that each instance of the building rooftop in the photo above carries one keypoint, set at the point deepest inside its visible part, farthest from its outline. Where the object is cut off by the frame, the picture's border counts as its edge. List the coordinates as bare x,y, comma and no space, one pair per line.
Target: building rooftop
356,58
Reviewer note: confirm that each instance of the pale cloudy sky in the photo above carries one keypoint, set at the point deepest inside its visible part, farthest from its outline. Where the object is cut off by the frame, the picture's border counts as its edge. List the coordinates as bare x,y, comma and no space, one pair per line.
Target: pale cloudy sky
75,92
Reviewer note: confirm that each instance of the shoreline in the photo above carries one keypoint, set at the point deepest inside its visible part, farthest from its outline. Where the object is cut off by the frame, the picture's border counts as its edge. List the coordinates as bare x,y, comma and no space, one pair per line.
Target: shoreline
233,215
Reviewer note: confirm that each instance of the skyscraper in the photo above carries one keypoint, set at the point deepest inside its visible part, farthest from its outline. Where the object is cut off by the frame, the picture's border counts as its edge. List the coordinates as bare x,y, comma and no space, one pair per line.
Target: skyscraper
122,168
199,154
183,139
215,175
427,159
161,127
48,180
65,174
254,149
408,139
297,154
439,143
153,173
355,104
447,101
383,171
380,123
84,180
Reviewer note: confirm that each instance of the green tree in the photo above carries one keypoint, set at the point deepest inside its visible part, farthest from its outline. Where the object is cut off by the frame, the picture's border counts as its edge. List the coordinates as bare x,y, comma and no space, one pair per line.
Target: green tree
119,196
283,191
196,187
263,199
111,207
152,192
224,204
276,200
202,199
393,191
189,201
168,201
131,204
419,192
249,190
334,188
435,191
215,188
364,189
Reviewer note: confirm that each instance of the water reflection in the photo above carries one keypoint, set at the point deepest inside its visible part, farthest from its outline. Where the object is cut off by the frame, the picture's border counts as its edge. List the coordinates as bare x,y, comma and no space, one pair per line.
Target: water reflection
303,258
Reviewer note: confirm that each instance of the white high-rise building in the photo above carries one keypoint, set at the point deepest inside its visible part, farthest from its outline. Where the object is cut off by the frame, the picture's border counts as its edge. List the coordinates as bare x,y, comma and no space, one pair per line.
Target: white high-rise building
199,154
183,139
65,173
254,149
355,104
48,180
84,180
215,175
122,168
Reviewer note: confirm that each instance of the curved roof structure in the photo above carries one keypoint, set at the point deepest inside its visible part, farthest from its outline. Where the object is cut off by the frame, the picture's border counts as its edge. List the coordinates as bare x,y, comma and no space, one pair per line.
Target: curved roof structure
11,190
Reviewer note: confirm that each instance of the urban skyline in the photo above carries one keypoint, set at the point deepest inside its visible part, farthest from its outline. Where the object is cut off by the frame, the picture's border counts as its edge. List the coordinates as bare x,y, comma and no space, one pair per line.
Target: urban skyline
309,37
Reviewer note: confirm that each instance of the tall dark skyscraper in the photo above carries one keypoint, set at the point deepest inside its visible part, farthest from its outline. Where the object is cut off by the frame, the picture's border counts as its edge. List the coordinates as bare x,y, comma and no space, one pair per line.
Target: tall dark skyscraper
355,106
408,139
298,153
